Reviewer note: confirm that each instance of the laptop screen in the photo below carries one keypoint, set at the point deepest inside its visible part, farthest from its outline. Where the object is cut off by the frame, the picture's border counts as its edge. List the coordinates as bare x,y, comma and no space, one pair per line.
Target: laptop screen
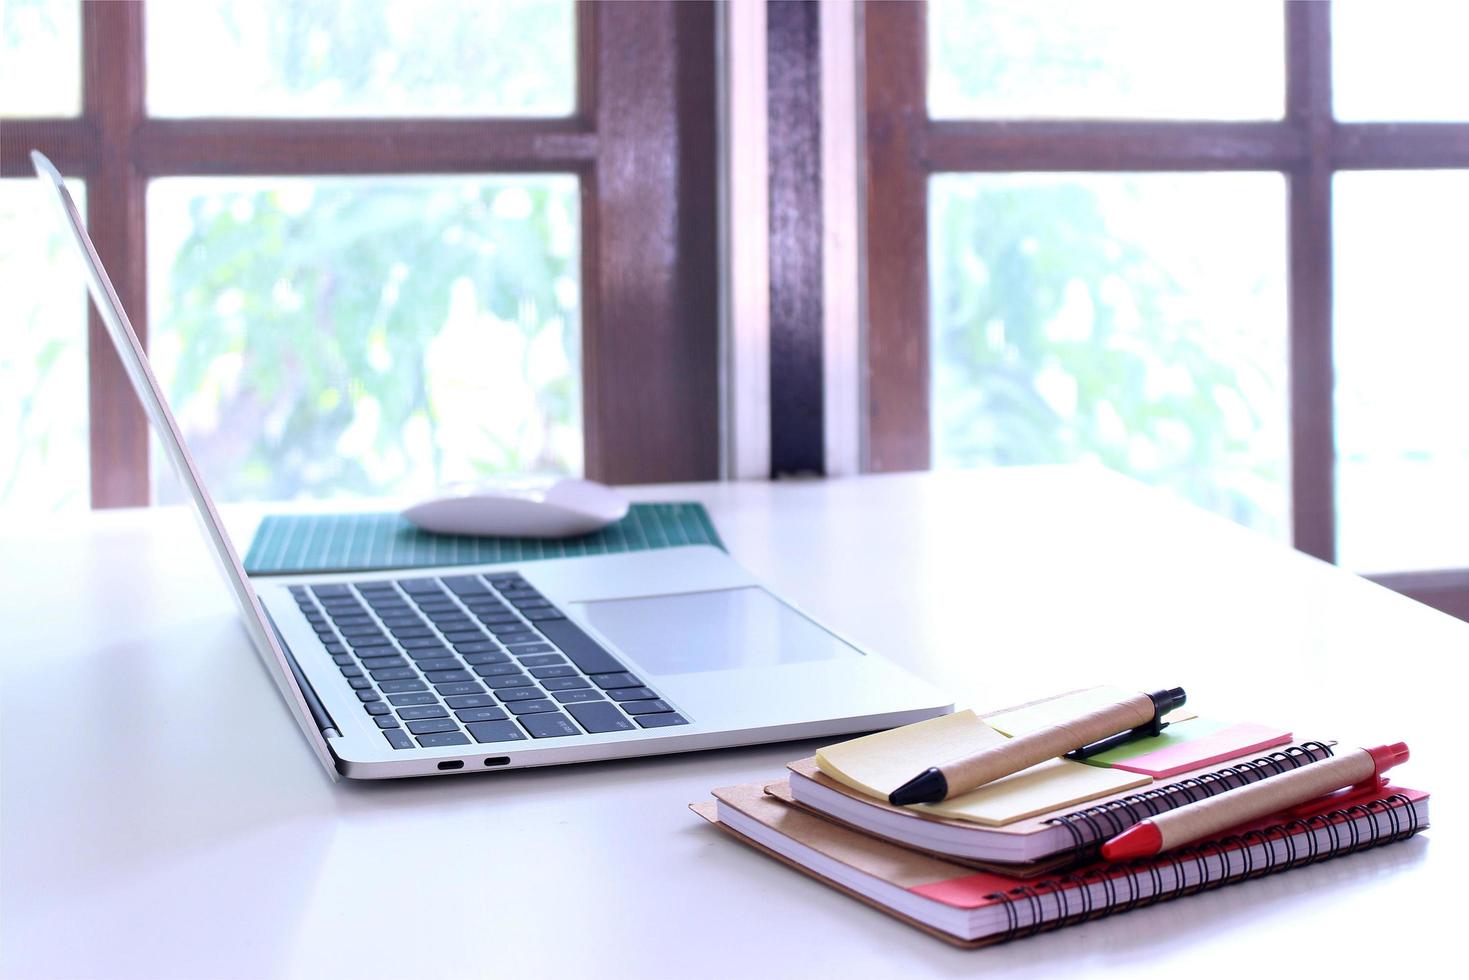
150,394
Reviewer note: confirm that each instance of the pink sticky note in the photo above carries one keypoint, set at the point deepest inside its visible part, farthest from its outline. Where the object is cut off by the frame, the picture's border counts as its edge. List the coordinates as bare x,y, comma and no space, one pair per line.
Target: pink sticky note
1227,743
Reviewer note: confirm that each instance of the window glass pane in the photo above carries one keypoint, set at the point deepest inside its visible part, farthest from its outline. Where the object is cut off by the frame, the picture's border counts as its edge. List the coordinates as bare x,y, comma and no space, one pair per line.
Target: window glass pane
1133,320
43,361
361,58
1146,59
1402,349
367,336
1400,61
40,58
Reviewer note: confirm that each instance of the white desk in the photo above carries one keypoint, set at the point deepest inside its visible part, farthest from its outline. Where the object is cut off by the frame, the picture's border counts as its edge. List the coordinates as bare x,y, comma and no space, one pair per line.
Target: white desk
162,816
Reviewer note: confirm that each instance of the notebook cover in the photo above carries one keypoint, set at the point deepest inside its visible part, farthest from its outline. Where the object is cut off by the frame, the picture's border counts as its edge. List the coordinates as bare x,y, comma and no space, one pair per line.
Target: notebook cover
937,879
708,810
807,767
306,543
782,791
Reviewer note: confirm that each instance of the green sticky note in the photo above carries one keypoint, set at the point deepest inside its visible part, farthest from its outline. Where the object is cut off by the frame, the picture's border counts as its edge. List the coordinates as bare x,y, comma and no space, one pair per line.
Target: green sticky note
1175,734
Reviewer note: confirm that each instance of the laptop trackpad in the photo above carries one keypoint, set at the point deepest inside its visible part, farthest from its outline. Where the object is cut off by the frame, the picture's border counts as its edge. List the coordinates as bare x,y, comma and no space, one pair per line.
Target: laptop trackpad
720,630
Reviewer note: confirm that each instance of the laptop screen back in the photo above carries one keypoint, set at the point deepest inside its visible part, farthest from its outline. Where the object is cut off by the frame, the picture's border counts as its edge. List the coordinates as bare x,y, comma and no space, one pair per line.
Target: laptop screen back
150,394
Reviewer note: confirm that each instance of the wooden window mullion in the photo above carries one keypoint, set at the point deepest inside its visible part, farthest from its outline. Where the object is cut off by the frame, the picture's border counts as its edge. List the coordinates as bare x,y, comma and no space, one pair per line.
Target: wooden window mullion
112,87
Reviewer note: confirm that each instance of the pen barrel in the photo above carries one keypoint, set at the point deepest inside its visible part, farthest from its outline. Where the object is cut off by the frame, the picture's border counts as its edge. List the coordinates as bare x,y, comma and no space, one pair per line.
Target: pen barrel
1024,751
1209,817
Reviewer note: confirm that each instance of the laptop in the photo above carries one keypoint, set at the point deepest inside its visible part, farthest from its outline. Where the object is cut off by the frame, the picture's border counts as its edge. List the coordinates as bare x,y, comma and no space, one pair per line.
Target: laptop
501,666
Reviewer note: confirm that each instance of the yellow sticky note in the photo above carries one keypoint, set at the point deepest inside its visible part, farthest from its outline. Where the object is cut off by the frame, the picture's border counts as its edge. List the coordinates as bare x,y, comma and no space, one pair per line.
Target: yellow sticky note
878,764
1044,714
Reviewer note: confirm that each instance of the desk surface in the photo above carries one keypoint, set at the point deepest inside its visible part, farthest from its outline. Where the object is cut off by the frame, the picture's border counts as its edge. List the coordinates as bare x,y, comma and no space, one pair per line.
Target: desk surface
162,816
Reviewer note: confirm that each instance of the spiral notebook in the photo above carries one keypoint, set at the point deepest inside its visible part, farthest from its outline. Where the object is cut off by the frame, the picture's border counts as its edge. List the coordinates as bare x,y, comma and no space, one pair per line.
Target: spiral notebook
969,908
1063,830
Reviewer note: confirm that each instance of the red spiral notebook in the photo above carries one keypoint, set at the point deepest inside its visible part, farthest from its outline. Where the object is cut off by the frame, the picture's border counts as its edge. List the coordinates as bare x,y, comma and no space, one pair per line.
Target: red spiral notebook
976,908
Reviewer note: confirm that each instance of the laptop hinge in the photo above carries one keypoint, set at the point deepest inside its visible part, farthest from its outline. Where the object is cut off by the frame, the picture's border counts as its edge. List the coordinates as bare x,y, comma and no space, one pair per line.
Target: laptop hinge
319,714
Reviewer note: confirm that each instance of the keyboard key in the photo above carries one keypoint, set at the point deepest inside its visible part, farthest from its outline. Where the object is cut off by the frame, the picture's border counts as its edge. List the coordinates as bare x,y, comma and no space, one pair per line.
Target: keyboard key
576,697
550,725
362,643
443,738
422,642
383,663
334,648
419,586
422,711
395,674
496,618
343,660
328,591
525,649
412,632
363,620
646,707
402,687
422,698
459,687
530,707
429,653
538,602
608,681
564,684
560,670
631,694
386,721
542,615
661,721
479,659
520,694
509,680
360,629
496,670
431,725
368,694
516,639
465,584
447,676
496,731
543,660
600,716
463,636
377,707
439,663
514,626
584,651
506,580
359,683
478,646
470,701
480,714
351,670
398,738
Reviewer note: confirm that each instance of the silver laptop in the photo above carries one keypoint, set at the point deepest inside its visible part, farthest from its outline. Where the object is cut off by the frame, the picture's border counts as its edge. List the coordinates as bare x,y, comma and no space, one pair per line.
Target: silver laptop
485,667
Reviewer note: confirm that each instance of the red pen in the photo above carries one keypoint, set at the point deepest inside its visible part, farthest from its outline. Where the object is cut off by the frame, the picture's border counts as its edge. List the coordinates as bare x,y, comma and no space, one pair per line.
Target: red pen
1208,817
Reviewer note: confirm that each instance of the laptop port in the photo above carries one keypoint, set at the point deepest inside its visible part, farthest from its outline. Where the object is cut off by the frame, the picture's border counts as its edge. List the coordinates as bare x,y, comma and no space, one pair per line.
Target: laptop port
499,760
452,764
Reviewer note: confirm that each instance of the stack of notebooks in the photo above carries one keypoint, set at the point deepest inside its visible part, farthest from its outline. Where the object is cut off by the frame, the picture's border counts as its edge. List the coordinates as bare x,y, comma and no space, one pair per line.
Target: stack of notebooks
1021,855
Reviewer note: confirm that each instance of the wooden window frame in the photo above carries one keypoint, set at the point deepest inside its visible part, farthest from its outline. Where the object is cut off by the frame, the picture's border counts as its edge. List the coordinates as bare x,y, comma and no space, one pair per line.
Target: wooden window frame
904,147
642,143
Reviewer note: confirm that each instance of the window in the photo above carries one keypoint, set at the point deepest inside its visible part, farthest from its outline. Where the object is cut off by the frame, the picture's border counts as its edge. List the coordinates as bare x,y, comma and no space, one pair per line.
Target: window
404,244
1210,247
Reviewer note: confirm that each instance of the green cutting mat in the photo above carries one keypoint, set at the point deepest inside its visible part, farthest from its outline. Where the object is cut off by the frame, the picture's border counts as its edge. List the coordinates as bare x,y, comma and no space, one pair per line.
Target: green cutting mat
362,542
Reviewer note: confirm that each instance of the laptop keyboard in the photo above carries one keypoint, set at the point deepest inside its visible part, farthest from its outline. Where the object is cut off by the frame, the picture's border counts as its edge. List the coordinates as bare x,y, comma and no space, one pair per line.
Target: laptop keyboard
474,658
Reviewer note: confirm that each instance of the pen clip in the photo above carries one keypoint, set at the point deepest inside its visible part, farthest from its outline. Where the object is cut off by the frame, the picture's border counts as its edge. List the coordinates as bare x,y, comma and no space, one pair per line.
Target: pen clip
1152,728
1344,797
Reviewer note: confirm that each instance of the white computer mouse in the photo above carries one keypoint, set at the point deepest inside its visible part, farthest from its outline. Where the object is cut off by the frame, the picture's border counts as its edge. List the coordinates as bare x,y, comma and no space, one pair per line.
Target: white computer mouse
530,509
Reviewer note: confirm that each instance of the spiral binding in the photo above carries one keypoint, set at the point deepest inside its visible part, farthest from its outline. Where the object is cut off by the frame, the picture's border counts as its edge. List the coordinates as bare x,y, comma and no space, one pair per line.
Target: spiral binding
1393,818
1090,827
